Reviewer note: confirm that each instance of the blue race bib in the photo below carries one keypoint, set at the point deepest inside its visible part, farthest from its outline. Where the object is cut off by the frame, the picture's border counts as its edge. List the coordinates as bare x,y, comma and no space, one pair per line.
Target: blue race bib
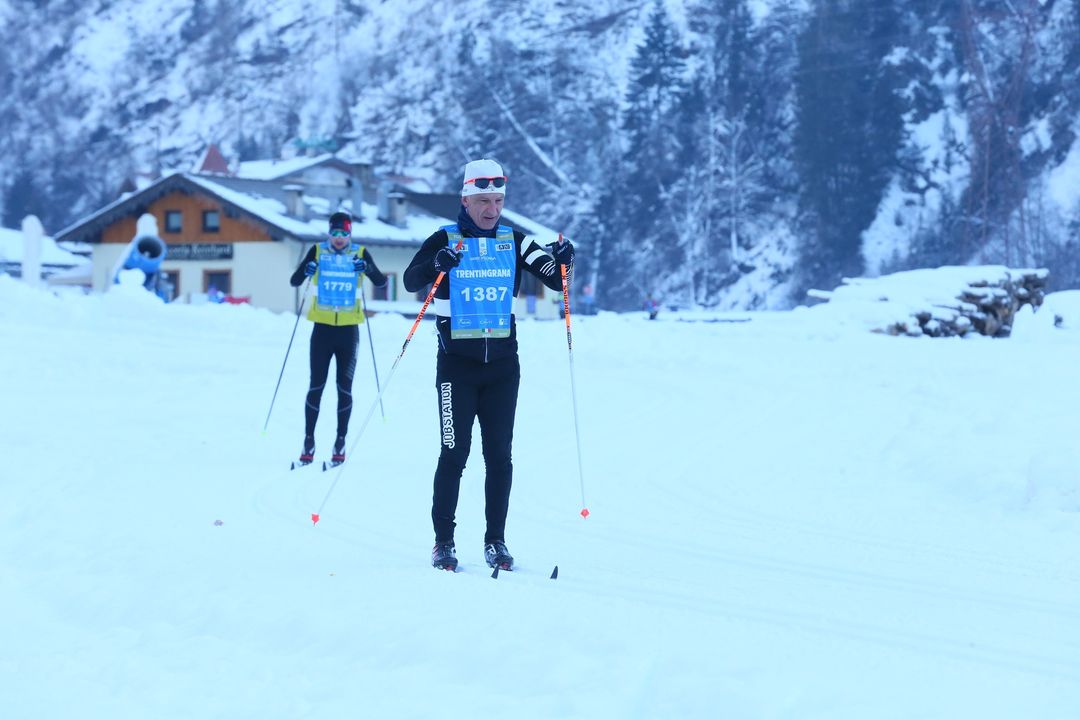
337,282
482,286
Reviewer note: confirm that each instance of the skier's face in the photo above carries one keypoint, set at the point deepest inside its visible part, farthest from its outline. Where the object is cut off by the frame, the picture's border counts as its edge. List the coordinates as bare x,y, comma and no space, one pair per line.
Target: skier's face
339,239
484,209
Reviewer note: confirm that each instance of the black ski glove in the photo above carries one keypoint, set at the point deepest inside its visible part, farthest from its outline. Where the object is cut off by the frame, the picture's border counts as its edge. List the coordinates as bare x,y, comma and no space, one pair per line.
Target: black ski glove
563,253
447,259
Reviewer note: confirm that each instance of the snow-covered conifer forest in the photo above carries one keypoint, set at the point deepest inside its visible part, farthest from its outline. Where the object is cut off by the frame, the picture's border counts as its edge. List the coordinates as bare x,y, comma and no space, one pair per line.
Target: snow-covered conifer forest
725,154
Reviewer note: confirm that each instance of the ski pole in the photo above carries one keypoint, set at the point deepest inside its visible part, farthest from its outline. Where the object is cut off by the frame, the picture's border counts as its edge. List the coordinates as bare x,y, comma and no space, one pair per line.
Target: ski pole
299,311
573,390
371,411
371,344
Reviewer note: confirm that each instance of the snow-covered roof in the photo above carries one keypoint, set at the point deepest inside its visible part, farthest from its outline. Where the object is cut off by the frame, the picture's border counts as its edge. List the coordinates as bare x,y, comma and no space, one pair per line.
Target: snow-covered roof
274,169
265,201
263,208
95,218
12,245
409,182
368,229
270,210
78,248
78,275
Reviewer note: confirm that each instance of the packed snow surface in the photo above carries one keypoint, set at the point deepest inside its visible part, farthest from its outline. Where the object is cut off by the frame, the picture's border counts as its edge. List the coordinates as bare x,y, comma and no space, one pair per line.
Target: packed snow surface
791,517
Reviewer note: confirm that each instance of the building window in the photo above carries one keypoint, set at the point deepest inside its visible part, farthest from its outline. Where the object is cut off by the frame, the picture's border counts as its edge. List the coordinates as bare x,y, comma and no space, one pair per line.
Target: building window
171,280
173,221
211,221
387,291
217,281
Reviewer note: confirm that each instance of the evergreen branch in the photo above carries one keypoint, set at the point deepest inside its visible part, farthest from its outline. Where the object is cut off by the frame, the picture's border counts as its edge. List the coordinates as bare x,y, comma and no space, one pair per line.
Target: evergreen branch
533,145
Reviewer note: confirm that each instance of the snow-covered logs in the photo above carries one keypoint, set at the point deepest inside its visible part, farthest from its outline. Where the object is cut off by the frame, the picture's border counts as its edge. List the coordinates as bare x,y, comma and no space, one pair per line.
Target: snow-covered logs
940,302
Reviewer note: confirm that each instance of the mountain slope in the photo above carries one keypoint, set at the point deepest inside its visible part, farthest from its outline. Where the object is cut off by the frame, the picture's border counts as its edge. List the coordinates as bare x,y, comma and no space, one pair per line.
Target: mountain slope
982,115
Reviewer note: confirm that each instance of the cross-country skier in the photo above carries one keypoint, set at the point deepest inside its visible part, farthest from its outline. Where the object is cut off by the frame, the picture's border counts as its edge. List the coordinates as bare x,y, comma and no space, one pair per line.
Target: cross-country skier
477,370
334,267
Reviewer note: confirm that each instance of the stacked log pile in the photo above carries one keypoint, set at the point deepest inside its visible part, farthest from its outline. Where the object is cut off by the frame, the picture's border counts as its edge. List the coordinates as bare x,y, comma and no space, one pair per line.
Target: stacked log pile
943,302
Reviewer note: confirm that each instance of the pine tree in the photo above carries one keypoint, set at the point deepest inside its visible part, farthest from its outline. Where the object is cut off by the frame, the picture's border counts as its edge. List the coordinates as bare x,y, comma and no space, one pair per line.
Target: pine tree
930,51
731,131
197,24
849,131
1001,53
24,196
247,148
650,165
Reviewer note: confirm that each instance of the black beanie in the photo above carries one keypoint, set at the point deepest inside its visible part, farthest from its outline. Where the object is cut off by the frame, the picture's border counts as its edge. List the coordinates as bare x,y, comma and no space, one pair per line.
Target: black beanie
341,221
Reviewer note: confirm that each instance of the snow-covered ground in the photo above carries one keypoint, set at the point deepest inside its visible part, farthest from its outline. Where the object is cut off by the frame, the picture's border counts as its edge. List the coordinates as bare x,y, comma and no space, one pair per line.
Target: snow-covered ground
790,518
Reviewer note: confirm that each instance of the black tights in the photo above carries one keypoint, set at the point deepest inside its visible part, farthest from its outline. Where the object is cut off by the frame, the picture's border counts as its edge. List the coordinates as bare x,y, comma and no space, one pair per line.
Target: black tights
330,341
470,390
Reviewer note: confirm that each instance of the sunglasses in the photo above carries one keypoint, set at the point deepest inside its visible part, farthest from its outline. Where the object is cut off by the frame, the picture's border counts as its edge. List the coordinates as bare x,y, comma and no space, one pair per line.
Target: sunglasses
339,233
481,183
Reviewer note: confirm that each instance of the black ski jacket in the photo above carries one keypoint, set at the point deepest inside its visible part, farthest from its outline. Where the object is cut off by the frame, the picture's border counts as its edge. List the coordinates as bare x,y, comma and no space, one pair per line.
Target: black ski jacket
531,256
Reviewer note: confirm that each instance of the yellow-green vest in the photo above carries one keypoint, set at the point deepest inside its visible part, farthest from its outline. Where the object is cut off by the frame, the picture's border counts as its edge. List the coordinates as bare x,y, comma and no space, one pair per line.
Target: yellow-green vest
349,316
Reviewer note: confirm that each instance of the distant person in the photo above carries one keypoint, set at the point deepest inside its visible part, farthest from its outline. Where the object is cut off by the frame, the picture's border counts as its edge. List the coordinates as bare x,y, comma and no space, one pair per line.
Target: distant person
651,307
477,371
334,267
588,300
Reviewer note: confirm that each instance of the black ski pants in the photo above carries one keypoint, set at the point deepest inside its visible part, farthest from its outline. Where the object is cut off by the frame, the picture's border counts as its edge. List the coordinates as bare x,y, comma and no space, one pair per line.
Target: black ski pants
338,342
468,389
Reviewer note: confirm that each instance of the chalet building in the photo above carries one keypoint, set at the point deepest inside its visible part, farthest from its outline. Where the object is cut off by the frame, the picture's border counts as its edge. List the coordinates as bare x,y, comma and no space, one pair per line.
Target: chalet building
241,231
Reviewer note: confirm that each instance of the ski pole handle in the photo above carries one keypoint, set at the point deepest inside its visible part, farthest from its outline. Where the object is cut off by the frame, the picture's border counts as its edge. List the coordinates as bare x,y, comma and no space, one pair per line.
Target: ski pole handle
427,301
566,301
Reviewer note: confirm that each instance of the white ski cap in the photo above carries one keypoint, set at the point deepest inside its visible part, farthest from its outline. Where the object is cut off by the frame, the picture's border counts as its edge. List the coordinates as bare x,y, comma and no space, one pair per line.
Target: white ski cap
483,168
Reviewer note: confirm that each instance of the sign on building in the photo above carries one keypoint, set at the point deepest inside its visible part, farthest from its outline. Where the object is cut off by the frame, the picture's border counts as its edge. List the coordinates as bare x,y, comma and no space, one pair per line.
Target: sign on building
199,251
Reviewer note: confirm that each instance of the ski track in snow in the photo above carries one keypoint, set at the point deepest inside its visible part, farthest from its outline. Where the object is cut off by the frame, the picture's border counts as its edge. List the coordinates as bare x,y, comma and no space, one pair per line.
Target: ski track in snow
787,521
681,592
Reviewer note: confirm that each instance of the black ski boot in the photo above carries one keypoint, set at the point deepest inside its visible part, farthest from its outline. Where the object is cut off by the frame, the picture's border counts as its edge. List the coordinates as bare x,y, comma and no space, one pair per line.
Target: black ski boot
339,451
496,555
307,454
443,556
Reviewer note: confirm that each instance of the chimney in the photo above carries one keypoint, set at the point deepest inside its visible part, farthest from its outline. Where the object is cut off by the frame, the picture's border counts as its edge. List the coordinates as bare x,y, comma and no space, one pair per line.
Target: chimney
356,196
392,207
364,174
397,208
294,201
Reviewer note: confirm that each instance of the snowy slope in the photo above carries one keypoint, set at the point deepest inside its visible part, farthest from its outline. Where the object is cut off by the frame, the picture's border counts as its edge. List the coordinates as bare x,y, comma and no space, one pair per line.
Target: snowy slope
789,520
